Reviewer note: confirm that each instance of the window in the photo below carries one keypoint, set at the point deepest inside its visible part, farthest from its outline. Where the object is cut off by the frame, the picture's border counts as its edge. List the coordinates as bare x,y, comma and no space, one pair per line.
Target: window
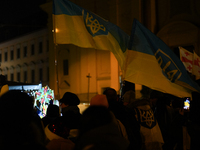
25,51
11,55
12,77
6,56
33,76
40,47
47,45
18,53
40,74
32,49
6,76
65,67
0,58
25,76
18,76
47,73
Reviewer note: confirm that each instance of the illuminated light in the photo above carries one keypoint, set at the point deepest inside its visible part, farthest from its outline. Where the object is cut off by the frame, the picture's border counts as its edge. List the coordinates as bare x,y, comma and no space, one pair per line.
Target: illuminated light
57,30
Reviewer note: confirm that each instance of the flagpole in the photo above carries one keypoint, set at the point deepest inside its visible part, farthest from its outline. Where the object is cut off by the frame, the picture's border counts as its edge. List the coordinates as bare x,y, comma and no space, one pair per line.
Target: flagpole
56,61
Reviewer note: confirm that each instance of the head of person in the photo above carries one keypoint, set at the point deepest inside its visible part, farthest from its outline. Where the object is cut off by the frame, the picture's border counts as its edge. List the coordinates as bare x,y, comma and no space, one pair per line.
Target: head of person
69,99
111,95
18,122
53,111
99,100
94,116
145,92
128,97
155,96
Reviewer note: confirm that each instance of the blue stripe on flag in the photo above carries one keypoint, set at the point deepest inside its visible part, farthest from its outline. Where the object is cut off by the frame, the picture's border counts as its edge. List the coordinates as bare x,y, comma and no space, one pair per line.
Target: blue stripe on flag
95,25
143,40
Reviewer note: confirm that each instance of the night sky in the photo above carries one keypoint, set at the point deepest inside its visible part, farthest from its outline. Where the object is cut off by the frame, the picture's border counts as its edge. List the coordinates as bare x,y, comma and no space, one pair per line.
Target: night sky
13,10
18,17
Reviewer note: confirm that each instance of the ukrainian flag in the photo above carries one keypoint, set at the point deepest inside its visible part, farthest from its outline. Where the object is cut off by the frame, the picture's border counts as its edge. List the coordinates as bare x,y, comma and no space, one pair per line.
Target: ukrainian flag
152,63
75,25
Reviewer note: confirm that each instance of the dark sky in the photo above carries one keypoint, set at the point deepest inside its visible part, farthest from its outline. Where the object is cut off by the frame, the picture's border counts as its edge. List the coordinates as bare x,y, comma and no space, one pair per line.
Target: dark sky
14,10
19,17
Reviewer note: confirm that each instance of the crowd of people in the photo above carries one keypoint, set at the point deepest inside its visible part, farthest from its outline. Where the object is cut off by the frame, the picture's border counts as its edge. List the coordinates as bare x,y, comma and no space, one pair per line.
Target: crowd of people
152,122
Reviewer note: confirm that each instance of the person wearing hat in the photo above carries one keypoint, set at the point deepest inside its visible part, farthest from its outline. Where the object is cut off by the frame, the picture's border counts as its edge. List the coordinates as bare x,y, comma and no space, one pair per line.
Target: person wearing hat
69,108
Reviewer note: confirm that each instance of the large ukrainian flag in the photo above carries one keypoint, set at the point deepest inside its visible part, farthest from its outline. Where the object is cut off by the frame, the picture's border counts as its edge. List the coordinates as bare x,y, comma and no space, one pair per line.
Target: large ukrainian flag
152,63
75,25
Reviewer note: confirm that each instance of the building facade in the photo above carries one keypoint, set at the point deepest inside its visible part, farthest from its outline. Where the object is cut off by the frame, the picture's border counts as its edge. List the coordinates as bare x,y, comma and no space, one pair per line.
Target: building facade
25,58
87,72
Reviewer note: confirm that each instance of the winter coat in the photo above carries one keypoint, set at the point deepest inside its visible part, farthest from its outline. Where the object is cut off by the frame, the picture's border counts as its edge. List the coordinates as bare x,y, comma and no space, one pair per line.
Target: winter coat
72,114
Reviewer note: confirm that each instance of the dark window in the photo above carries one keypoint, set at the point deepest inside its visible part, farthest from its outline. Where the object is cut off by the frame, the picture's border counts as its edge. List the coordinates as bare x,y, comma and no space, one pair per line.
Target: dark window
40,47
18,53
18,76
12,77
0,58
25,76
32,49
65,67
33,76
6,76
47,73
11,55
6,56
25,51
40,74
47,45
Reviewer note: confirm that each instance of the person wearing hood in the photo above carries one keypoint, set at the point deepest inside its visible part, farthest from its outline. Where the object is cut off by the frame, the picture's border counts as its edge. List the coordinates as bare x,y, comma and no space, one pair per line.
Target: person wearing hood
99,131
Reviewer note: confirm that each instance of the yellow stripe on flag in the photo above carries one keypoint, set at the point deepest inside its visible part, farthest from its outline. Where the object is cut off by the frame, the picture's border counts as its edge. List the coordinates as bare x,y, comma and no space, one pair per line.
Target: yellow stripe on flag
142,68
71,30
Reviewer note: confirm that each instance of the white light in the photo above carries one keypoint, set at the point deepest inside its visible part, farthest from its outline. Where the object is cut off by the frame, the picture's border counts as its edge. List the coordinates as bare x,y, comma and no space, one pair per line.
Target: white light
56,30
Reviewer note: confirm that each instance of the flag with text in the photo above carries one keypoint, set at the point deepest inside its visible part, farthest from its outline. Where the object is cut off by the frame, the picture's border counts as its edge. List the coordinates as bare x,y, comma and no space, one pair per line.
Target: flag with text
152,63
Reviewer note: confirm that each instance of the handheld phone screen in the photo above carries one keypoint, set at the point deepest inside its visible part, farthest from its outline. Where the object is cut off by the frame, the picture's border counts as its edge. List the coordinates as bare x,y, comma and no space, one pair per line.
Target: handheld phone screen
186,103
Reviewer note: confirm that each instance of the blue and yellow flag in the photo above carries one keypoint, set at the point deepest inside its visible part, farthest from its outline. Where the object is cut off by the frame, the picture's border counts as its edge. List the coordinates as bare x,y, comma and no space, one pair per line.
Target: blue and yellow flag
75,25
152,63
